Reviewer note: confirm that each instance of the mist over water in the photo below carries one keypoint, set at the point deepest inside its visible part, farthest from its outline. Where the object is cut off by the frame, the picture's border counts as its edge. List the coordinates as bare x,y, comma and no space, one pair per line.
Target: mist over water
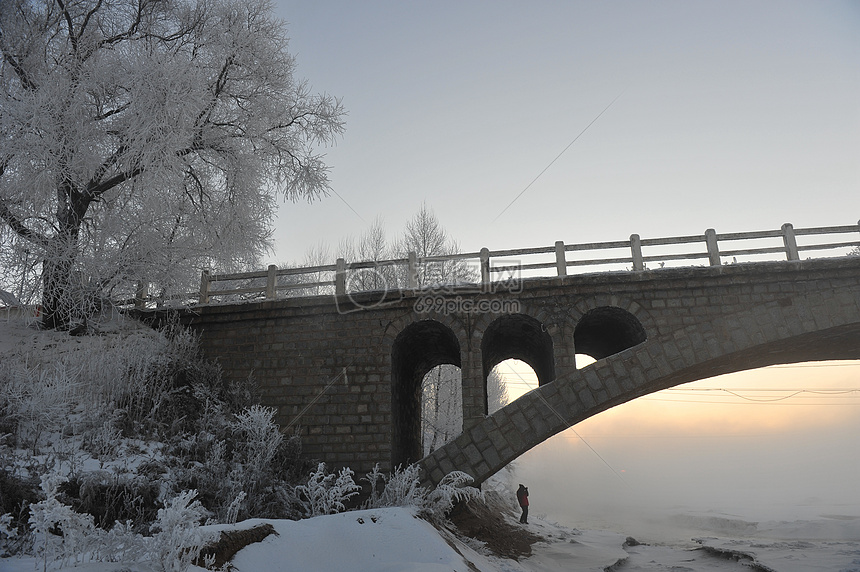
664,489
668,472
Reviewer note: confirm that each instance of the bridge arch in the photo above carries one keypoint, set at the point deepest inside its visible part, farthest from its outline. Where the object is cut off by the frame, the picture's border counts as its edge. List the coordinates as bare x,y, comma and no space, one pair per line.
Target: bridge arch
607,330
779,331
417,349
521,337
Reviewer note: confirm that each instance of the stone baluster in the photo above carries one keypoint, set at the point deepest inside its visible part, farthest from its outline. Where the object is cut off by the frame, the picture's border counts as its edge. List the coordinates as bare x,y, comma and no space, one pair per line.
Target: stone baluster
340,277
790,242
485,266
204,287
271,282
636,253
713,247
560,258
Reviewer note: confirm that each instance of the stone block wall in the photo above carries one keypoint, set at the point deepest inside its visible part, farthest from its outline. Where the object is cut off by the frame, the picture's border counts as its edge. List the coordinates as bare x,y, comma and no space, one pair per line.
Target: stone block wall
326,364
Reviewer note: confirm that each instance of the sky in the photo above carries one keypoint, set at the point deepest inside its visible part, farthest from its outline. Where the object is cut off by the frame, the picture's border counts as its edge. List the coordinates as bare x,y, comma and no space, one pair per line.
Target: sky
736,116
521,124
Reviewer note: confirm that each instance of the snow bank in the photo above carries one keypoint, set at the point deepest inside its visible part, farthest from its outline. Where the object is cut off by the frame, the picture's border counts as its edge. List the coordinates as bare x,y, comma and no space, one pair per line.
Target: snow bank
379,540
394,540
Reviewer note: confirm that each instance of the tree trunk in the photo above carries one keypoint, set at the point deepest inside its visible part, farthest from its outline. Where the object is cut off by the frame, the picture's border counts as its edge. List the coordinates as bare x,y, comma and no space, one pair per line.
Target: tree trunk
56,294
59,304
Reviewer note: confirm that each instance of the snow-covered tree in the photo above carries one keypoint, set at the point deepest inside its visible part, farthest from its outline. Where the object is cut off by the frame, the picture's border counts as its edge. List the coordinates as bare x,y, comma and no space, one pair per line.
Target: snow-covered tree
442,404
145,139
425,236
442,396
497,392
371,246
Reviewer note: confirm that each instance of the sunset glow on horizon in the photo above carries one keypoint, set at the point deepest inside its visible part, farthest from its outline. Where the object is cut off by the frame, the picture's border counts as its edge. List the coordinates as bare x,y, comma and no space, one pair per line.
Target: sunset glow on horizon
772,399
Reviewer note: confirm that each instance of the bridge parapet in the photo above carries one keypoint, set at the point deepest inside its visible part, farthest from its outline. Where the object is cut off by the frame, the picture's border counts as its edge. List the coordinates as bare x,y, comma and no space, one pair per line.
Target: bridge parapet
500,267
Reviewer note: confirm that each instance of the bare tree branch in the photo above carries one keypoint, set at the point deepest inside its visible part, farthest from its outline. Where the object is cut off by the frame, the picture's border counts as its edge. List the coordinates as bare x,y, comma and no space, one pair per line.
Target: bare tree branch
73,38
20,228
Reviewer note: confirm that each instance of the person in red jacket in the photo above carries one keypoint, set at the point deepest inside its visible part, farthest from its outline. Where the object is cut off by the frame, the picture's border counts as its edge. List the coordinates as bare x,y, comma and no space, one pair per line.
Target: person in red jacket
523,499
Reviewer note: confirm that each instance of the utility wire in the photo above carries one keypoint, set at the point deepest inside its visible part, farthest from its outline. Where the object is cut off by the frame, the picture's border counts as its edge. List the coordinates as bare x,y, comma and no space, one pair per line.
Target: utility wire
322,392
806,365
348,205
834,391
646,398
570,426
558,156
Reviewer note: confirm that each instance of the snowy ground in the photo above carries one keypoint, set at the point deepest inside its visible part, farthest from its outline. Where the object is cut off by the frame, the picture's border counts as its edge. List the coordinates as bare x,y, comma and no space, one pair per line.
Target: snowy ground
826,538
394,540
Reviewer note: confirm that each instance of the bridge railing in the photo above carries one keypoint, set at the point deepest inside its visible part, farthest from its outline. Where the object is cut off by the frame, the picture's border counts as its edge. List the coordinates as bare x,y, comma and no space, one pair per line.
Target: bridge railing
487,267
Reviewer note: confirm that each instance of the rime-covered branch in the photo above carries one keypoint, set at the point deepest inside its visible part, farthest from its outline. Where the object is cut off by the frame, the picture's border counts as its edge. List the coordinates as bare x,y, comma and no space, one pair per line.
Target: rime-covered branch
145,139
19,227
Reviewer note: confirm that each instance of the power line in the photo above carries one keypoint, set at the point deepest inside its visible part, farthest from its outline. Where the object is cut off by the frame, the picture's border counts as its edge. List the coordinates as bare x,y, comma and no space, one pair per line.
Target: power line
570,428
815,394
820,393
771,389
811,365
348,205
558,156
712,402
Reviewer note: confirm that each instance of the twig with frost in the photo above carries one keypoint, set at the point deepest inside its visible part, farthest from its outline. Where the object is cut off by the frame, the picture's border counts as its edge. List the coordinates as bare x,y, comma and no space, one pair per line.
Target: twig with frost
327,493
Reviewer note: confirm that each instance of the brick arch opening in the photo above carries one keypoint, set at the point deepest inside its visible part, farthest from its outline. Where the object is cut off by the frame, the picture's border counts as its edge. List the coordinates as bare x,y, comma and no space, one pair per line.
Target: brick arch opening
521,337
607,330
416,350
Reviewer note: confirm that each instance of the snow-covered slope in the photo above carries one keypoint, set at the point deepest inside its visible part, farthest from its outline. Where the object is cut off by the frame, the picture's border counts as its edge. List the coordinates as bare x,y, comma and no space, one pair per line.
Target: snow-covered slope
393,539
380,540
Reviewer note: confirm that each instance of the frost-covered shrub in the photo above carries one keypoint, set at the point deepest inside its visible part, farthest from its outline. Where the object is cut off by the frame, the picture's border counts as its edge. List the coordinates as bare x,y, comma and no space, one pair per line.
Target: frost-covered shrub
260,436
402,488
113,367
8,536
375,478
142,381
327,493
234,507
17,493
246,455
454,487
176,390
37,401
59,532
120,544
103,441
110,498
257,440
178,540
62,535
134,395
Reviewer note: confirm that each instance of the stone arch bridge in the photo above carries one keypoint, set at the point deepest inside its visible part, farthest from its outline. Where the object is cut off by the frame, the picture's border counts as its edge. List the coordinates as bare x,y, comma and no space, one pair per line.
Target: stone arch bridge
345,371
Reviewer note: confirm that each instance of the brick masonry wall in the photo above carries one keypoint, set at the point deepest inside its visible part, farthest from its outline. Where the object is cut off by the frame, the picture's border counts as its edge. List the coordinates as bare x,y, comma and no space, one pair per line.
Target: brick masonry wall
327,368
